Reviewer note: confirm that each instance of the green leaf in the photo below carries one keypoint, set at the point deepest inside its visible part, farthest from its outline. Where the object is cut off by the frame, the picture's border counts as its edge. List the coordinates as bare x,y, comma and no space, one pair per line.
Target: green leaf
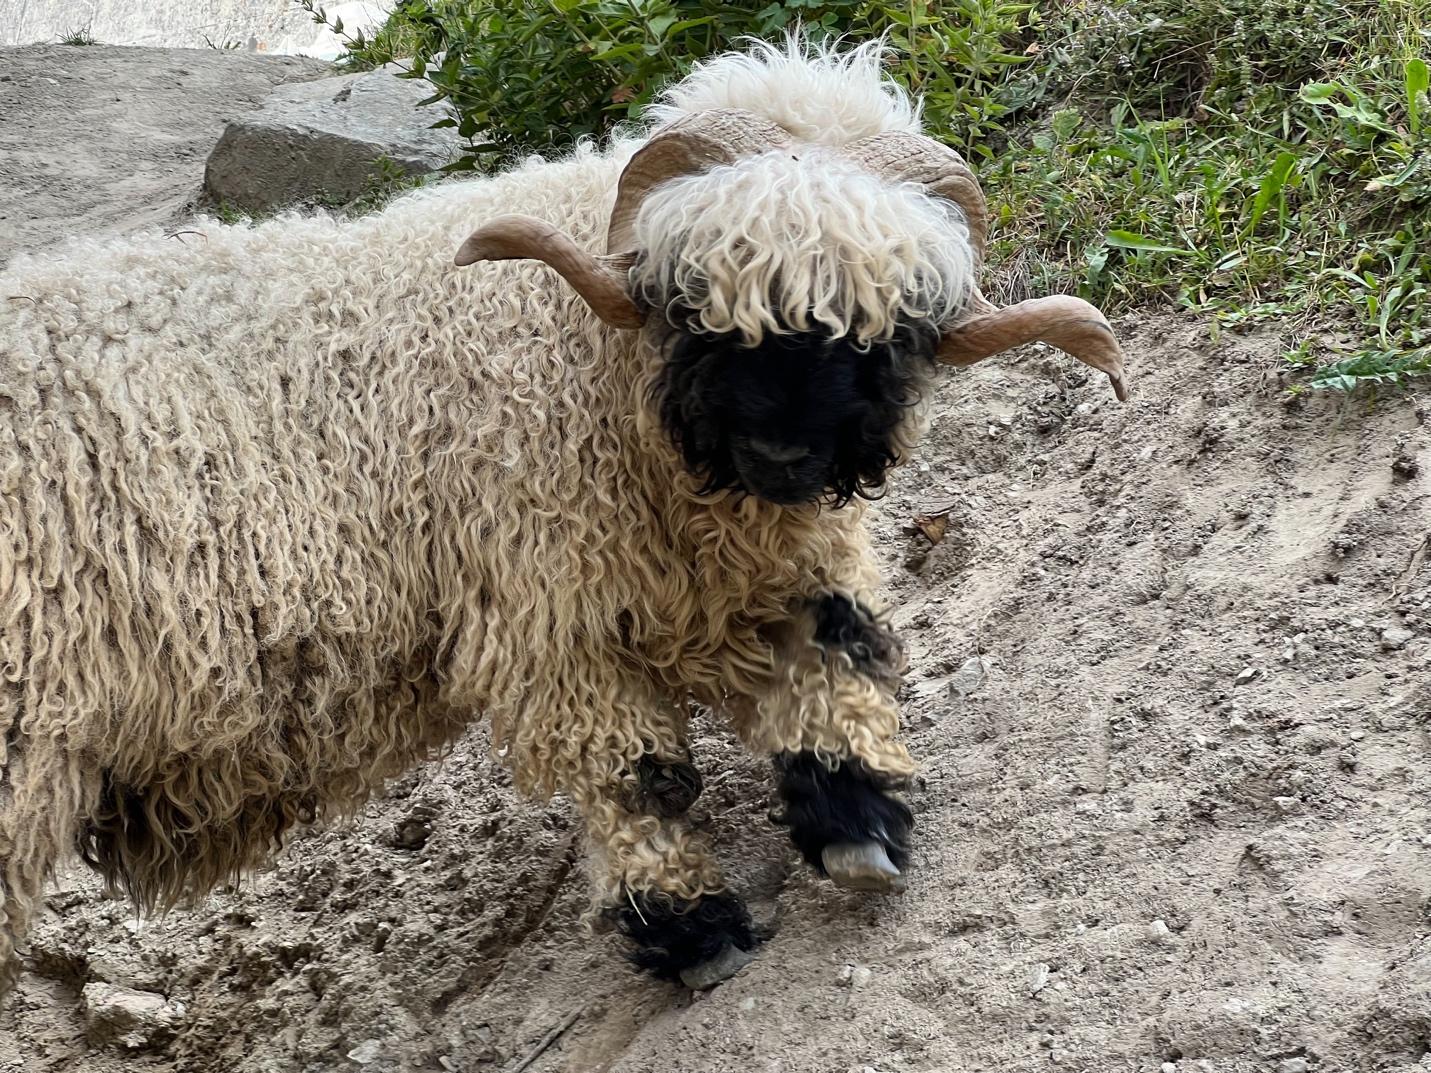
1271,187
1128,241
1418,80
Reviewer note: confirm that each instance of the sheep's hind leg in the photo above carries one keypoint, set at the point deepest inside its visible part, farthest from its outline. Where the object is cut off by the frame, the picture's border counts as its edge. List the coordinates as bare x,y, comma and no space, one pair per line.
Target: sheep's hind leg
666,787
662,890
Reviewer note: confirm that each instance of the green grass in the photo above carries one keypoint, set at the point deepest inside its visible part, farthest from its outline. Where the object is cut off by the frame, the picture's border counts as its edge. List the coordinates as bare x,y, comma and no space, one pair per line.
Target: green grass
1264,162
1286,185
78,37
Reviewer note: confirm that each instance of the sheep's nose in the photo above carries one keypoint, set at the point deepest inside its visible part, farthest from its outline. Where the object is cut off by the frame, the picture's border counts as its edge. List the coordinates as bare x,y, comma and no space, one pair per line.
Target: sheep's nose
780,453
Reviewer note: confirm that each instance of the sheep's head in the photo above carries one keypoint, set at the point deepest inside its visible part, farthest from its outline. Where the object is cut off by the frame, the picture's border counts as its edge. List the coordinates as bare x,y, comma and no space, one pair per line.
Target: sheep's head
797,299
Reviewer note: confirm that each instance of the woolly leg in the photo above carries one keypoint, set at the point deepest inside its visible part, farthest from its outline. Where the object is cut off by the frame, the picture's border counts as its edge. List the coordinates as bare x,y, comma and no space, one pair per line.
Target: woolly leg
661,889
665,786
829,718
38,804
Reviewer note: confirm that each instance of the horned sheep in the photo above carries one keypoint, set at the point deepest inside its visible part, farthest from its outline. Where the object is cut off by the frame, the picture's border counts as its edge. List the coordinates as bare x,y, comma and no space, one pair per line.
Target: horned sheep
285,507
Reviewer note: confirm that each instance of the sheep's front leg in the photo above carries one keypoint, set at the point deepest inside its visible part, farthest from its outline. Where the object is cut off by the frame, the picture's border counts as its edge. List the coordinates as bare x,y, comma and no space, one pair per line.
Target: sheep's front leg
828,717
656,881
658,884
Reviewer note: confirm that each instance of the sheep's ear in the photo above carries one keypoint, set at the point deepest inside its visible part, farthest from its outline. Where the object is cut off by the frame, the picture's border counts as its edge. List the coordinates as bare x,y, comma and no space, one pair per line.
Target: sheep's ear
601,281
1061,320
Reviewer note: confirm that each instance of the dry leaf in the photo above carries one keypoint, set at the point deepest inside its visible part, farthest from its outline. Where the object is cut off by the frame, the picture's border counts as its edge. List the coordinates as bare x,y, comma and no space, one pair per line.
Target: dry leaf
933,526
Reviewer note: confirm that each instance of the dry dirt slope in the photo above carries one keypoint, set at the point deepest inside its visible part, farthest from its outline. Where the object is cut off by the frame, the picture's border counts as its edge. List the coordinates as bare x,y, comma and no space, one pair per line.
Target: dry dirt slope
1180,816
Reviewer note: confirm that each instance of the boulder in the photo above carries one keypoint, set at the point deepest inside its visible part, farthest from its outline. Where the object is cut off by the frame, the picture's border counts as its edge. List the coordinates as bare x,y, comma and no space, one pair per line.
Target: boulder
322,141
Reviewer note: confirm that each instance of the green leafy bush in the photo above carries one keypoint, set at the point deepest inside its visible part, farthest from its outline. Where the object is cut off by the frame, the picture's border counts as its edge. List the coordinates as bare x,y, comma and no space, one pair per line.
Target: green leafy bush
536,75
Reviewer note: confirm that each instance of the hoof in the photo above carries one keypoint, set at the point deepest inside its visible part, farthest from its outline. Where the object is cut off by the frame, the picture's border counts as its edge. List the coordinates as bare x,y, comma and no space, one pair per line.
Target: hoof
699,943
722,967
862,866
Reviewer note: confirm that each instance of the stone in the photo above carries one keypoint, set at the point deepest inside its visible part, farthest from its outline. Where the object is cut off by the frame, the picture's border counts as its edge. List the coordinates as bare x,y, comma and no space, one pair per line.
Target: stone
366,1052
122,146
134,1019
323,140
1395,638
972,674
1038,978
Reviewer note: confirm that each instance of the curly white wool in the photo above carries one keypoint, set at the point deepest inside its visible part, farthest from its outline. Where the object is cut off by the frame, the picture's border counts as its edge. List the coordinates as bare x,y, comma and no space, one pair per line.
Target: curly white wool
785,242
821,95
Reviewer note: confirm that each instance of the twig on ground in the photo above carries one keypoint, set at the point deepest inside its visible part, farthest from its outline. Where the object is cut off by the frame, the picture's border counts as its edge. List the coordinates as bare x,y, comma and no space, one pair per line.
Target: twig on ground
546,1041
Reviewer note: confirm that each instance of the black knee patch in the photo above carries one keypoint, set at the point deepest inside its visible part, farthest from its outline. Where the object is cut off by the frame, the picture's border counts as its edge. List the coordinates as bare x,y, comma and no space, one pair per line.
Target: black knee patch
671,934
848,804
848,626
666,787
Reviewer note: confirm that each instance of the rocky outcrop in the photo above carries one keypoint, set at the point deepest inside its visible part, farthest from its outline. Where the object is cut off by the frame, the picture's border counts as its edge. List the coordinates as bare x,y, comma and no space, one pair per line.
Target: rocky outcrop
323,141
102,140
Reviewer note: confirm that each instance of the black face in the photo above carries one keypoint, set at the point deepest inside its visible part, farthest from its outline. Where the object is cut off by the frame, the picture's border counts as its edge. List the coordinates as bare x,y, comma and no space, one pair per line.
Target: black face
798,418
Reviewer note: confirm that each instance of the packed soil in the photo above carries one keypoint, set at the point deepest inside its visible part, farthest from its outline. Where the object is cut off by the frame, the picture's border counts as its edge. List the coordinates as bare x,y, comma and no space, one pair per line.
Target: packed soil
1171,689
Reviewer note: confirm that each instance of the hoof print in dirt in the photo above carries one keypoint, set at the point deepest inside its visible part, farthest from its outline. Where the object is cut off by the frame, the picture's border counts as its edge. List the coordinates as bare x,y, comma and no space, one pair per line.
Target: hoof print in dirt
844,822
666,787
699,943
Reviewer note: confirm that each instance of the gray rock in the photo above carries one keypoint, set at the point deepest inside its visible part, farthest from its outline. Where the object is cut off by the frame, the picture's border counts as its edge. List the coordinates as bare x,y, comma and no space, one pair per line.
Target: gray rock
324,139
1395,637
133,1019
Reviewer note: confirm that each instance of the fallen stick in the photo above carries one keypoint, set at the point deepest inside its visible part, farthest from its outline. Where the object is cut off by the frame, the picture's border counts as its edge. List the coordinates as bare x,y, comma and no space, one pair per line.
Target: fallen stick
546,1041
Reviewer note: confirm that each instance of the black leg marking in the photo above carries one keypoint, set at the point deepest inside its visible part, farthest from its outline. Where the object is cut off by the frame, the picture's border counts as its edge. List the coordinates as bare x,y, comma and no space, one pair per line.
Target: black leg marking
846,625
667,787
843,807
673,935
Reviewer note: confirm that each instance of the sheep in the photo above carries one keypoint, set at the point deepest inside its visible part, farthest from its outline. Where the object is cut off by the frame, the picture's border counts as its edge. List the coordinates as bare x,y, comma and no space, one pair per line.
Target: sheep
285,507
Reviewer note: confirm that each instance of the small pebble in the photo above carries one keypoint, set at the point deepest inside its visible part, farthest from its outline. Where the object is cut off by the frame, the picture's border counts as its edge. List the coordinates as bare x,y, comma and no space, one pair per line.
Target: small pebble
366,1052
1292,1065
1169,1067
1159,932
1038,978
1392,639
748,1003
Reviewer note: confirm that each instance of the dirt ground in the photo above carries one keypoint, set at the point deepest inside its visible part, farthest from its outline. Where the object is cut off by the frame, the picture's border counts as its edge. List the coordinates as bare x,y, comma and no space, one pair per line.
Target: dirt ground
1171,687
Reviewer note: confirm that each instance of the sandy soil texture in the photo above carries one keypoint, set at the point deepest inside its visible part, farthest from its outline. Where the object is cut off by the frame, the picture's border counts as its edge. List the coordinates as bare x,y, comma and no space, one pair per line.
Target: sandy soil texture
1171,687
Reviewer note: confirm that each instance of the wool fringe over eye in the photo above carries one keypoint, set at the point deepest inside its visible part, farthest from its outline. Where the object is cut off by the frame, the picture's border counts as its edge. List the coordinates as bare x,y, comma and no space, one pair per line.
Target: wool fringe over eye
792,241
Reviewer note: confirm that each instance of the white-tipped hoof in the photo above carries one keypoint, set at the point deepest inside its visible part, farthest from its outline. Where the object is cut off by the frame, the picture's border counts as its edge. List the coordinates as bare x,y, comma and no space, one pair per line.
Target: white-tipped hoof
721,967
862,866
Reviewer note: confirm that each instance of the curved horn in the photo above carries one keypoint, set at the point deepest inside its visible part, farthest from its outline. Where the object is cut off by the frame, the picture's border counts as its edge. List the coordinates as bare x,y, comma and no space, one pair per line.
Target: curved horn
898,156
1069,323
692,144
601,281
